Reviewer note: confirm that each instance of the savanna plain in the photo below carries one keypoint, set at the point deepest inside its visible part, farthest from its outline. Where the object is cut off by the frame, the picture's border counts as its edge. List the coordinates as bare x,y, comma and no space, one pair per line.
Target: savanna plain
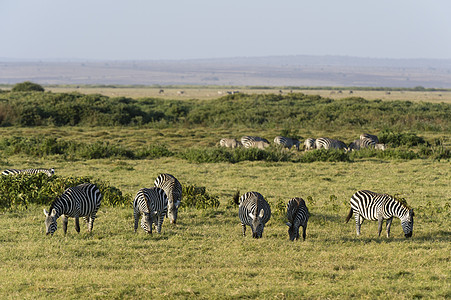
205,254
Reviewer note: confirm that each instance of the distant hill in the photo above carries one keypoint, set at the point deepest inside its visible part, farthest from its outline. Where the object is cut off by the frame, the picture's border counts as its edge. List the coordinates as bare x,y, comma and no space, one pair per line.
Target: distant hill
299,70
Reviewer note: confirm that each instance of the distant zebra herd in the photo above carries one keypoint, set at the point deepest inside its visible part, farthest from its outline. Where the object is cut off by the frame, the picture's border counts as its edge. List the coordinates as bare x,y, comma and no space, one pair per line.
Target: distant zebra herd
164,199
365,141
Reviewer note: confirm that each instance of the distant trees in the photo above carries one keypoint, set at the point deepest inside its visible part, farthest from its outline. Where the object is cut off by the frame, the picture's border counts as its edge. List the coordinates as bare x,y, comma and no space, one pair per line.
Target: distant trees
27,86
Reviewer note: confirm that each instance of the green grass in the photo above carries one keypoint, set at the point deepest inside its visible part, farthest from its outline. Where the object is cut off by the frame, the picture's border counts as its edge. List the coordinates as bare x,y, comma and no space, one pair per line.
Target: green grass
205,256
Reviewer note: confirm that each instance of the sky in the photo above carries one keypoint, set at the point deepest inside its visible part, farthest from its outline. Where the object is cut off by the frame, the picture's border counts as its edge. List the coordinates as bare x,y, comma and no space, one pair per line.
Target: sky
173,30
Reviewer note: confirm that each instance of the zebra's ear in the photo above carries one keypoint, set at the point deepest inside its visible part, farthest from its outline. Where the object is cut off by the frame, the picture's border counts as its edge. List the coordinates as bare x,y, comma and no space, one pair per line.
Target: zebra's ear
46,213
252,216
53,213
288,224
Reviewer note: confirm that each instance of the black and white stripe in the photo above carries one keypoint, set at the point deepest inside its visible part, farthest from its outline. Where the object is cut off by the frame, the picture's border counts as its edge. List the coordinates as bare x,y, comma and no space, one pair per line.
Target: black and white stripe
367,205
255,212
327,143
229,143
79,201
362,143
286,142
152,205
297,215
370,136
173,190
49,172
254,142
309,144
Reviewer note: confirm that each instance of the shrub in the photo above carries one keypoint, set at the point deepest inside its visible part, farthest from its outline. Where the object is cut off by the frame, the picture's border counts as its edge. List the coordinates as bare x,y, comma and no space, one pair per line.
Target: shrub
198,197
400,139
27,86
331,155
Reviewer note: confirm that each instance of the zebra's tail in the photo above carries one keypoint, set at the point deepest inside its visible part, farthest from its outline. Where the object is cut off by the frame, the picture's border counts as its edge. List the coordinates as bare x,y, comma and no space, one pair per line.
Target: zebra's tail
349,215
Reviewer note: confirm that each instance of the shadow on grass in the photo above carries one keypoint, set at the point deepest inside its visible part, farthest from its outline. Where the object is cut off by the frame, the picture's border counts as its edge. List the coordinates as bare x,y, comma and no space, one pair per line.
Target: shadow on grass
435,236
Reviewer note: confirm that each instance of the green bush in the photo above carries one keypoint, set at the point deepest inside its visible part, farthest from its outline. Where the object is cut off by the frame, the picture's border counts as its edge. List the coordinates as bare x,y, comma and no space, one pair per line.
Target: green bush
27,86
400,139
331,155
19,191
198,197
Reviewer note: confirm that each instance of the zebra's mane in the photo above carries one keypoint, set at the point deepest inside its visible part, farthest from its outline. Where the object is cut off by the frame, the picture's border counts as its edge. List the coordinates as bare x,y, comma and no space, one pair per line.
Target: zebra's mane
52,206
400,200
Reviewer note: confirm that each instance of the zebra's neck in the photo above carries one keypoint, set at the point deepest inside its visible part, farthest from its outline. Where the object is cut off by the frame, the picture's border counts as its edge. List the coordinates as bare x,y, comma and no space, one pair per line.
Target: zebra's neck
60,206
398,210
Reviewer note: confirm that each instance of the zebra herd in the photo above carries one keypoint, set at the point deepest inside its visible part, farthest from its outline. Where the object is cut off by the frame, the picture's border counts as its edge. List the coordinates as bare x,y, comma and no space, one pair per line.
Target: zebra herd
365,141
164,199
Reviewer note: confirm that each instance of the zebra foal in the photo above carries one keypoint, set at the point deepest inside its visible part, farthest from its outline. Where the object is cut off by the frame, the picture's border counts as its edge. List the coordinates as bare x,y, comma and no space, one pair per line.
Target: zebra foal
367,205
173,190
297,215
79,201
152,205
49,172
255,212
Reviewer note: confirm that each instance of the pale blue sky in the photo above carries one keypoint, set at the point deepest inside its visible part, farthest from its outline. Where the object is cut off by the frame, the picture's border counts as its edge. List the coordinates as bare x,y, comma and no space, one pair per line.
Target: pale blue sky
169,29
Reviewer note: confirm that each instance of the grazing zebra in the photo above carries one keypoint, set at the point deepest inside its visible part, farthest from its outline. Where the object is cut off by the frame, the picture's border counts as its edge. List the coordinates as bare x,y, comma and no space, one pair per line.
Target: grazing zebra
152,204
229,143
373,206
173,190
327,143
254,142
255,212
286,142
369,136
297,214
310,144
362,143
49,172
79,201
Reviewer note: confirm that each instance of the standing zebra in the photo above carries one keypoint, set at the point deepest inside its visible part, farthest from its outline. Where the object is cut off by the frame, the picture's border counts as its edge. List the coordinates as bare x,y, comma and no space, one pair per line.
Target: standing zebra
254,142
229,143
49,172
255,212
79,201
309,144
369,136
286,142
152,204
173,190
297,214
373,206
327,143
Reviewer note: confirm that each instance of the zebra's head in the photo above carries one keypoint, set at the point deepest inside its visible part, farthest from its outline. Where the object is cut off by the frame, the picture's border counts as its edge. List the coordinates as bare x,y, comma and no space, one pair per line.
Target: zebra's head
146,222
407,224
257,224
50,222
172,211
293,231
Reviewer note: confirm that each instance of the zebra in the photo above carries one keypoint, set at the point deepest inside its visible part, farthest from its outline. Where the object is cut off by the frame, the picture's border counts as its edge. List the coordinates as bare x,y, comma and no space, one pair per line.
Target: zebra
362,143
286,142
79,201
49,172
369,136
309,144
297,214
152,204
373,206
173,190
327,143
255,212
254,142
229,143
380,147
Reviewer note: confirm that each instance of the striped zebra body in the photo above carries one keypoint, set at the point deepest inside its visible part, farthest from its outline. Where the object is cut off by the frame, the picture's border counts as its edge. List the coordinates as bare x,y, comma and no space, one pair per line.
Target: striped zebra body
79,201
229,143
370,136
286,142
255,212
362,143
254,142
297,214
152,205
173,190
49,172
310,144
327,143
367,205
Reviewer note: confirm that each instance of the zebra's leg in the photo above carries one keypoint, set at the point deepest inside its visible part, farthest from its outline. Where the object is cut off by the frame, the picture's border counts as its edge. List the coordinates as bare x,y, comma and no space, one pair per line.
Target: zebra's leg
77,224
136,216
304,230
65,221
380,220
389,220
357,223
160,222
244,229
90,222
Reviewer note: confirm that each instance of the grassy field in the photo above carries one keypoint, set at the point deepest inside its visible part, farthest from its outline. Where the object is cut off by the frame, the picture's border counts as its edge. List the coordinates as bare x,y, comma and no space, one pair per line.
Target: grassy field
205,255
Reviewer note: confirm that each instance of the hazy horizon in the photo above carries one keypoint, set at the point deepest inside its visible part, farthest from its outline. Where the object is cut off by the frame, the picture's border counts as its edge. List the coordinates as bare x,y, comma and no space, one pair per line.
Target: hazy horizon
200,29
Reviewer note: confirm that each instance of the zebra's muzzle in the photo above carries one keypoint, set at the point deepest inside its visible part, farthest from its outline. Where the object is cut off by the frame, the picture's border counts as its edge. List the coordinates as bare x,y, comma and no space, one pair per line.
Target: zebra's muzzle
408,235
